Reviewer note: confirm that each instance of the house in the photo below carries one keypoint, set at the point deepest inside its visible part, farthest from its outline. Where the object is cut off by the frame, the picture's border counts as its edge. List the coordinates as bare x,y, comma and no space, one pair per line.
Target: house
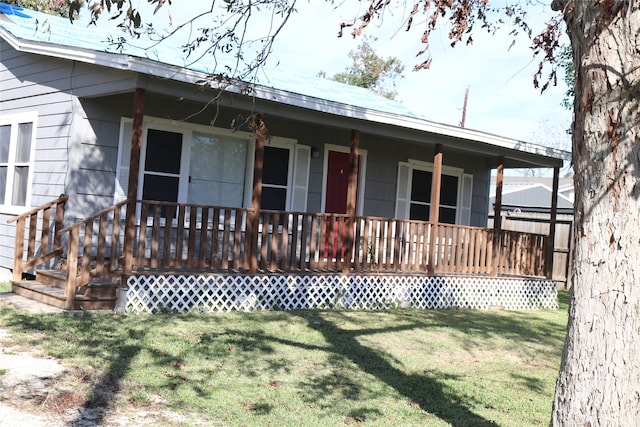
120,172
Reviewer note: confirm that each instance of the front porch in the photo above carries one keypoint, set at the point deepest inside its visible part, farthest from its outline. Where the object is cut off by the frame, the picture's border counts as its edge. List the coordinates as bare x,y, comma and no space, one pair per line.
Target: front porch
186,257
327,147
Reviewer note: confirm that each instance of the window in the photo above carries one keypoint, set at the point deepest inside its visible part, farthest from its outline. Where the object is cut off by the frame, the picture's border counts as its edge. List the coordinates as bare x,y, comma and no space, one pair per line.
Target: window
210,166
161,174
17,143
186,164
275,178
420,202
414,193
217,171
285,175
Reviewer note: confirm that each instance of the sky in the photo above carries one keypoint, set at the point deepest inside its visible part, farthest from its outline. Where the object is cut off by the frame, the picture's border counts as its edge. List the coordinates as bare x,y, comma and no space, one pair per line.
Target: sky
501,100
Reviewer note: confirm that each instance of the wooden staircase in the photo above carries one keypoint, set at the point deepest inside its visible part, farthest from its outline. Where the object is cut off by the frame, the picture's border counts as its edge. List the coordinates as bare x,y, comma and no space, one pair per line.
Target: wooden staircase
48,287
85,277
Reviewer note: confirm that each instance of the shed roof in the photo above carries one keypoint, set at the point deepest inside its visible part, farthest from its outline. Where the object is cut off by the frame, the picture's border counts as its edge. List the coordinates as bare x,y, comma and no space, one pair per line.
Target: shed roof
529,192
39,33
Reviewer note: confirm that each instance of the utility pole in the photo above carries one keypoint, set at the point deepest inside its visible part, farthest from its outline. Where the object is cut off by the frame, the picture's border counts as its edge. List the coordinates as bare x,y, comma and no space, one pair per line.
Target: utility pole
464,107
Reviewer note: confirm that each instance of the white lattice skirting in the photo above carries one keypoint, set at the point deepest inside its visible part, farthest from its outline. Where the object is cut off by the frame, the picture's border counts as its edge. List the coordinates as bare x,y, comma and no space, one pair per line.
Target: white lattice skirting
220,293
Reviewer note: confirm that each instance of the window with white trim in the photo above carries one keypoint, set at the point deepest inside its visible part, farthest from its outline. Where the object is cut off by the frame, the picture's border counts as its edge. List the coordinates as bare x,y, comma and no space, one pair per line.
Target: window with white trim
413,200
285,175
212,166
161,171
17,144
275,178
217,169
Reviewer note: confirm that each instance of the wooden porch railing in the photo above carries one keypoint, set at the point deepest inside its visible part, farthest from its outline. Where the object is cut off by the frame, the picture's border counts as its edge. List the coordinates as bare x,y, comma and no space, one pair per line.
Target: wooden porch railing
94,249
39,225
214,238
176,236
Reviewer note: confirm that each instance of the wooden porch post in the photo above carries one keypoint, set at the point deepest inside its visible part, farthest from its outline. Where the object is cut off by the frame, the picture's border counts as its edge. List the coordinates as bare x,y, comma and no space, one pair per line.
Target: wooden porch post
497,216
352,192
18,250
253,219
132,185
551,240
434,214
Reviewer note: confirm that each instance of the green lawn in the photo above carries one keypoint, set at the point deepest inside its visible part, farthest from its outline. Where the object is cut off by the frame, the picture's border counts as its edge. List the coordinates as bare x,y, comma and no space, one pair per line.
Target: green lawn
5,287
313,368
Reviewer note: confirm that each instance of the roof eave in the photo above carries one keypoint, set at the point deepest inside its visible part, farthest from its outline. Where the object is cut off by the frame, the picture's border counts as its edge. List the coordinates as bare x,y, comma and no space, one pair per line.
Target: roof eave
159,69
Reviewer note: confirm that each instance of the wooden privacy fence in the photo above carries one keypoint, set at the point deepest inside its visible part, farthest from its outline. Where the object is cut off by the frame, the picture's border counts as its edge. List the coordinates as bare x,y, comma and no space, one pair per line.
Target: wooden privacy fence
534,222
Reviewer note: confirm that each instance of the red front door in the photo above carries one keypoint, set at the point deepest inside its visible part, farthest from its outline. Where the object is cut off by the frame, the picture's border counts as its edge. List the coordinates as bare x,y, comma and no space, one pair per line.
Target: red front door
337,182
336,200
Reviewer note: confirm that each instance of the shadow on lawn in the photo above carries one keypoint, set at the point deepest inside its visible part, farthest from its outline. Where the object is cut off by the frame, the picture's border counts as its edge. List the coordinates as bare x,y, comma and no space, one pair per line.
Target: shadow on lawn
117,343
104,392
423,391
118,360
428,389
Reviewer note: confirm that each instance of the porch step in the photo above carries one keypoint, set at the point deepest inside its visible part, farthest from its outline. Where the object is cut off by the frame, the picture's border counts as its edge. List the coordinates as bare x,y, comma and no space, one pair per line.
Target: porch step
57,277
52,278
94,296
39,292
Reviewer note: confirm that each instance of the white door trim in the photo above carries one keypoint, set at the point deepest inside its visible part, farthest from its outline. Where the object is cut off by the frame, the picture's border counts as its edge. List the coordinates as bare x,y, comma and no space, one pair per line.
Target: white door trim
361,174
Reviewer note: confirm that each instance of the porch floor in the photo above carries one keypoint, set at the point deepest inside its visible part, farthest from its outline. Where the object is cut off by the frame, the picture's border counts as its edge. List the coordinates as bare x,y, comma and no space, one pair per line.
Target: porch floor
318,271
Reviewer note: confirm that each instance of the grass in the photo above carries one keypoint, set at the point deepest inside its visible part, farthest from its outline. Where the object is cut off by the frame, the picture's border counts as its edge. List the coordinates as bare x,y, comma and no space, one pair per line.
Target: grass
5,287
316,368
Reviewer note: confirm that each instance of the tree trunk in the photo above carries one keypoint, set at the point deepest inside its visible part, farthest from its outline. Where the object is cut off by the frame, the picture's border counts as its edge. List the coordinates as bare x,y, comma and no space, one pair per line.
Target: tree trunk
599,381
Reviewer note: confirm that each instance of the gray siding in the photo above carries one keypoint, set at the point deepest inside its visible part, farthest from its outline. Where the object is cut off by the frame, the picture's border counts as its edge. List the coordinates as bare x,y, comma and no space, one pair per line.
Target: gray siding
78,134
382,174
91,180
383,155
28,84
25,90
75,150
7,239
